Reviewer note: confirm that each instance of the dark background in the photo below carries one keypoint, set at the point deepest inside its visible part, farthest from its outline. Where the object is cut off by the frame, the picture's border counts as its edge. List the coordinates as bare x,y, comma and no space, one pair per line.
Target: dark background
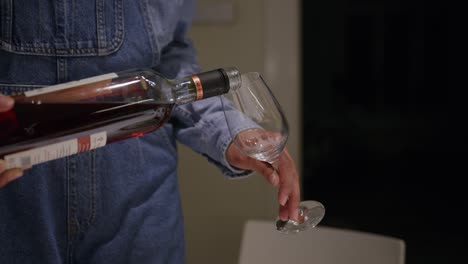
384,138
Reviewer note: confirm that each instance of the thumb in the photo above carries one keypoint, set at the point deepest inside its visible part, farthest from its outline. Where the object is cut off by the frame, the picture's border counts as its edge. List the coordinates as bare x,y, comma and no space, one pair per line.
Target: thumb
8,175
6,103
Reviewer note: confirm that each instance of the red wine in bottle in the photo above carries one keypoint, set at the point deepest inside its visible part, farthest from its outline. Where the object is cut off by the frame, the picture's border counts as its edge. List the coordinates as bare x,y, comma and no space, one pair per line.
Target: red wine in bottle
65,119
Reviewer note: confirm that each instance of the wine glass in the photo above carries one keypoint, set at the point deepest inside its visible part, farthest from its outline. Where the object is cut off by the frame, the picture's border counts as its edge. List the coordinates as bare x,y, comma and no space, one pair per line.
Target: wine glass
260,130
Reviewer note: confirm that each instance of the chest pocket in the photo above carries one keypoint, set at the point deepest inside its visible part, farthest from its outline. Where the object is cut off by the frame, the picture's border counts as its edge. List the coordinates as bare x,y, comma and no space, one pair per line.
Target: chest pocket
66,28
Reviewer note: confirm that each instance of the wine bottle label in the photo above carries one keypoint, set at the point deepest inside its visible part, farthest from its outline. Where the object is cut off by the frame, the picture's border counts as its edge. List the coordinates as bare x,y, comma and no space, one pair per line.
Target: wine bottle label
67,85
198,86
38,155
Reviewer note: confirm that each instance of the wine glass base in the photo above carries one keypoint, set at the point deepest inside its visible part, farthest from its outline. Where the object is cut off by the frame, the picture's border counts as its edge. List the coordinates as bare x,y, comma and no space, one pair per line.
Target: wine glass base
310,215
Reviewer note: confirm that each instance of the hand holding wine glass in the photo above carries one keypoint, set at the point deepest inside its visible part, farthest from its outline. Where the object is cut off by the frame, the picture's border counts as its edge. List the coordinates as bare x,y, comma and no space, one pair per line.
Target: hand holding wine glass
260,131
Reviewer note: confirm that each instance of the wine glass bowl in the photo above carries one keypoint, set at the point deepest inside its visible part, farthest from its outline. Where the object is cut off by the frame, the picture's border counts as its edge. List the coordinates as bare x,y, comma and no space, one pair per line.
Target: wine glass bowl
260,130
260,144
255,119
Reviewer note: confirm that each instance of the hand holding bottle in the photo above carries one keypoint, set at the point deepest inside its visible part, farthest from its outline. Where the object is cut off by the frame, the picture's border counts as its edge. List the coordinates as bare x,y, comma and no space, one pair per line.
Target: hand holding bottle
6,176
6,103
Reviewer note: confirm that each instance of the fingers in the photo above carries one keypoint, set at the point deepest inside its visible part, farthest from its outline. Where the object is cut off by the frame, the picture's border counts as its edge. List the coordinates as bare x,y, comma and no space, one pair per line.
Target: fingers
6,103
274,178
267,171
285,176
241,161
293,204
283,213
289,190
8,175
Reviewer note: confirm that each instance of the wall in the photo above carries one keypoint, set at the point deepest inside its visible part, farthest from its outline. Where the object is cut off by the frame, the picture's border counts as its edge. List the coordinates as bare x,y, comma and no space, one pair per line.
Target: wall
215,208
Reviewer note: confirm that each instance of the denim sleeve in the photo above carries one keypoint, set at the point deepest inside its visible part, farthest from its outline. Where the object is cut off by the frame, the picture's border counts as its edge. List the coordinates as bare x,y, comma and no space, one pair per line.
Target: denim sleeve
199,125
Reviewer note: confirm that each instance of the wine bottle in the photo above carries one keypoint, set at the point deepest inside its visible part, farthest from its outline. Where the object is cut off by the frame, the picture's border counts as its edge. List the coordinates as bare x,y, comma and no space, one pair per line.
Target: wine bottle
65,119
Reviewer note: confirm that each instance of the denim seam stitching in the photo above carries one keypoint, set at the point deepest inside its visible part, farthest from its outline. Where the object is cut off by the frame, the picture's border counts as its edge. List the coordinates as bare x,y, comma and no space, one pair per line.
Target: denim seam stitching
5,85
100,27
168,142
6,23
93,191
154,41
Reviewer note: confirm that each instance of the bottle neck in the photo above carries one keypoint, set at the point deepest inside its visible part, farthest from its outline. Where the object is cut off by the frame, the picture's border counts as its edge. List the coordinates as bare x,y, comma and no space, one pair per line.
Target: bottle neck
206,84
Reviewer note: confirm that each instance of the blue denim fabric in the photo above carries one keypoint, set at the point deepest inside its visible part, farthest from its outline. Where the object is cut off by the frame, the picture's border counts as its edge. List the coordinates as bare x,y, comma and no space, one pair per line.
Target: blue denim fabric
119,203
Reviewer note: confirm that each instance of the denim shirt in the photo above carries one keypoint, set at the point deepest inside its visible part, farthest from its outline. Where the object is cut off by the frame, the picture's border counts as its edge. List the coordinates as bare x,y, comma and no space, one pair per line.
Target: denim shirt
119,203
